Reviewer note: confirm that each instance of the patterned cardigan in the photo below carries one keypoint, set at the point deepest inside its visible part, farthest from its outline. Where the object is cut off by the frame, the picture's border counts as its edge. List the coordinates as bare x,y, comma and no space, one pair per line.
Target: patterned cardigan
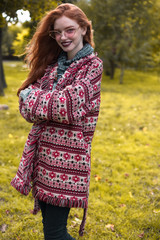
56,157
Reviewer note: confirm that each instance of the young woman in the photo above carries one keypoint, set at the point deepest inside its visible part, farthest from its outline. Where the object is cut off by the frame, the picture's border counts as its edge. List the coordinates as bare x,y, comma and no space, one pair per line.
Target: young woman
61,97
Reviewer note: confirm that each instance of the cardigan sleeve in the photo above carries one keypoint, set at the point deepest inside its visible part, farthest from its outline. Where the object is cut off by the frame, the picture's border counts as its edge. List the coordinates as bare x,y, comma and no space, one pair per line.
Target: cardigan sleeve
67,105
22,100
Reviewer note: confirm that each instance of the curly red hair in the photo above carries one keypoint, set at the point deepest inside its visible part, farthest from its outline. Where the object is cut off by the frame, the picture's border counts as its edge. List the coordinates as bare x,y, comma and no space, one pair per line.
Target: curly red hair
42,49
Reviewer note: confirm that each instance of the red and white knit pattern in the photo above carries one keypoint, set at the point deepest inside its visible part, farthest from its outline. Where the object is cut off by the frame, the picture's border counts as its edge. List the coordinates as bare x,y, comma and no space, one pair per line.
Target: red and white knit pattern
56,156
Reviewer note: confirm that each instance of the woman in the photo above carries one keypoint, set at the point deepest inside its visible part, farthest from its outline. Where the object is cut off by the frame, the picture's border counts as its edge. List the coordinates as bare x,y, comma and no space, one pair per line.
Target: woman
61,97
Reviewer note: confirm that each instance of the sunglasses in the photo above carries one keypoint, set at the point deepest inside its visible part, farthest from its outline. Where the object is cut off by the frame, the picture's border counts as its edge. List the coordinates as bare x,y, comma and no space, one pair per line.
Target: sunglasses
69,32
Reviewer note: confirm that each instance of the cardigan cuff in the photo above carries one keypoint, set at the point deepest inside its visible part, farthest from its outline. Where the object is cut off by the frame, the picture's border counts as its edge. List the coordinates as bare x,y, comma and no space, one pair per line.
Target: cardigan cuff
24,93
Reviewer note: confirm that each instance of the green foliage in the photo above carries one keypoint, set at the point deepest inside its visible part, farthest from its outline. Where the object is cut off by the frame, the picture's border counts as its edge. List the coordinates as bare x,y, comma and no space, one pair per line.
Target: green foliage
9,35
21,41
124,191
10,7
8,13
36,8
124,32
15,38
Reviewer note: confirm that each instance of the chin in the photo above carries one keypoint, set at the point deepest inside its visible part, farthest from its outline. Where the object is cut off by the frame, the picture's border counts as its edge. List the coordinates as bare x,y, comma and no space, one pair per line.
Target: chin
67,49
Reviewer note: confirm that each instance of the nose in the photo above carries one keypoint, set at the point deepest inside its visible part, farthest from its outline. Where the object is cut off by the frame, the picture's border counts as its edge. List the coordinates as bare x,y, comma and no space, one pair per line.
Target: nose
63,35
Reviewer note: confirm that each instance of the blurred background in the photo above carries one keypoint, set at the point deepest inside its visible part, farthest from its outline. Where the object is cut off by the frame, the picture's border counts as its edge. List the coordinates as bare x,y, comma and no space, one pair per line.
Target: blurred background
126,33
124,200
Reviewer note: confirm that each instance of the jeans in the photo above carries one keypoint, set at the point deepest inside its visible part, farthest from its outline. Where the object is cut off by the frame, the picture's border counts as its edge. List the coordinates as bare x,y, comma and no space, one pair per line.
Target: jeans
55,222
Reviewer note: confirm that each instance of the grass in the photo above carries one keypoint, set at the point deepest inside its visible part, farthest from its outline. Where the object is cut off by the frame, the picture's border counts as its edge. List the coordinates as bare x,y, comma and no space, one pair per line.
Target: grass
124,200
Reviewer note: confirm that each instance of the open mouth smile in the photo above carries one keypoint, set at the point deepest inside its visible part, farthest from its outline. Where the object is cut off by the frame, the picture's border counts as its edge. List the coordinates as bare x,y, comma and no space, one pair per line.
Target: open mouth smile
66,44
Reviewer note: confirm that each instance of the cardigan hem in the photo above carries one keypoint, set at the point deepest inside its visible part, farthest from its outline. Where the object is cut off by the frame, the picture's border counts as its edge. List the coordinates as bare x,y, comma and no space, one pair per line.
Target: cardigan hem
71,203
23,188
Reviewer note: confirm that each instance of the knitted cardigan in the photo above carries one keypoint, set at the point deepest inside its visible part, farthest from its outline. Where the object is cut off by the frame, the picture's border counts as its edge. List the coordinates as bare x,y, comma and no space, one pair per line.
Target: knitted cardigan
56,159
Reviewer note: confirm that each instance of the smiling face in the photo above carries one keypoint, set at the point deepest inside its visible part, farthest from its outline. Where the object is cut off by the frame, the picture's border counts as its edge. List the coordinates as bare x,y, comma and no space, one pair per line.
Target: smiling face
69,35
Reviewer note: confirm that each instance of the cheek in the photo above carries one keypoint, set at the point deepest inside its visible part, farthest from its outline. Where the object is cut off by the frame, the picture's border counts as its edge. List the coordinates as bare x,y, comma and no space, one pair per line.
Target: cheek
58,42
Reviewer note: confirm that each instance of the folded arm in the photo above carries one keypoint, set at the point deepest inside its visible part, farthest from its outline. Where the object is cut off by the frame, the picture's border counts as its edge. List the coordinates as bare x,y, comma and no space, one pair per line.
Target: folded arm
65,106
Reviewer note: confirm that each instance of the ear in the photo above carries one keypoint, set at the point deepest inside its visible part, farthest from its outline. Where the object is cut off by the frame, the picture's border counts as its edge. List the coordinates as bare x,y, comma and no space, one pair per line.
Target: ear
84,30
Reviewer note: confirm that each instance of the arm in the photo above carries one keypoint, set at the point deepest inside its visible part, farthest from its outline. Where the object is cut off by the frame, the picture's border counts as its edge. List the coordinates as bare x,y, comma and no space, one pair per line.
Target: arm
67,105
22,98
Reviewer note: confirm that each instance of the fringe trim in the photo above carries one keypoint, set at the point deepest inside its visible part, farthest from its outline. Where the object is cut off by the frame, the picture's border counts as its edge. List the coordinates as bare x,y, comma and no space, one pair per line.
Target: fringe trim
82,226
23,188
61,202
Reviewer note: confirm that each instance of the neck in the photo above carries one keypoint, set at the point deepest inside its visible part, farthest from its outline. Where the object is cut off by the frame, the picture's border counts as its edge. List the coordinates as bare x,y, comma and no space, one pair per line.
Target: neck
72,54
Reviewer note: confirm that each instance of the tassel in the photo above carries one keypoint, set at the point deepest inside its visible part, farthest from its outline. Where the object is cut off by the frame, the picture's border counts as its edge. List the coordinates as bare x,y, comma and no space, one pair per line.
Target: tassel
36,207
81,230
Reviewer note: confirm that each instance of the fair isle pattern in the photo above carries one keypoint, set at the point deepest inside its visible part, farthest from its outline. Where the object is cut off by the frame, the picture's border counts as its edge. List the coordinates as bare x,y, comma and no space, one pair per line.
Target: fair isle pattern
56,157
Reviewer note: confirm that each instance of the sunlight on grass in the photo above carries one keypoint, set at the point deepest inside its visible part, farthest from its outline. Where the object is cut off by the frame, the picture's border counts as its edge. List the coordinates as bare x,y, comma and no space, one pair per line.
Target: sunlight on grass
124,200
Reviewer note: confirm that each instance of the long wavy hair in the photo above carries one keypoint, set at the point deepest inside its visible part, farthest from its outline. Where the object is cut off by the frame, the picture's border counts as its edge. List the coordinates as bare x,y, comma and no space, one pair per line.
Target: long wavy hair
43,50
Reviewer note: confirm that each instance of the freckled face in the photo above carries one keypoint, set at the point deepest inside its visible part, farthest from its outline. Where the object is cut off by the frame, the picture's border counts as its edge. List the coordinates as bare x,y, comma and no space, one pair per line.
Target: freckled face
71,35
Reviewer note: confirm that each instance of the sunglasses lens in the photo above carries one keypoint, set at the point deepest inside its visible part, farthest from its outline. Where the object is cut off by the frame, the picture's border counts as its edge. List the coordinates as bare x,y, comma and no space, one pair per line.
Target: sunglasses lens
68,33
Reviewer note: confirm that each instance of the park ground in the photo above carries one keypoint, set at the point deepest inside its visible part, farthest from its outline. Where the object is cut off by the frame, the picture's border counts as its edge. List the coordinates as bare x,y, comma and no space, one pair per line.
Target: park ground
124,201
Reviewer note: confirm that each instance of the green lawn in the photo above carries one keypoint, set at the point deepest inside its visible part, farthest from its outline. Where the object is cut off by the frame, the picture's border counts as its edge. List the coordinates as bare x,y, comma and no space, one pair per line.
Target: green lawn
124,200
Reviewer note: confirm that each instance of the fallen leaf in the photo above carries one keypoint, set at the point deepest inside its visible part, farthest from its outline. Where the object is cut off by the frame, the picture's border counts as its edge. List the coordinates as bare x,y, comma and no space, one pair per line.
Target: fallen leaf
110,226
144,129
156,211
3,228
130,194
122,205
141,235
126,175
3,107
97,178
7,212
74,224
10,135
77,220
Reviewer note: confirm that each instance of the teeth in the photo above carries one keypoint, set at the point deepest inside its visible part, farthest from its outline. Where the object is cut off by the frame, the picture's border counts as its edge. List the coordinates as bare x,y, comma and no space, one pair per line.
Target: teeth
65,44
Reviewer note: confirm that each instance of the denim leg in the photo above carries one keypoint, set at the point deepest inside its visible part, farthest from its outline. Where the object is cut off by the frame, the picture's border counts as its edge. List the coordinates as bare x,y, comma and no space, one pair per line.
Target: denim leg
55,222
43,211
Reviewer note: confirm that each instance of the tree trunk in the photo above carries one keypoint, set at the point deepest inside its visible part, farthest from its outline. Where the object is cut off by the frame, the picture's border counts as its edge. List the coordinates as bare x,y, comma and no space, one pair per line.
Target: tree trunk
112,68
2,78
121,74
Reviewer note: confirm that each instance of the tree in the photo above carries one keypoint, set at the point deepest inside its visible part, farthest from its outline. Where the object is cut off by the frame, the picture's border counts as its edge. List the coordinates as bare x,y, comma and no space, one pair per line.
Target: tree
122,31
20,42
155,37
9,8
9,35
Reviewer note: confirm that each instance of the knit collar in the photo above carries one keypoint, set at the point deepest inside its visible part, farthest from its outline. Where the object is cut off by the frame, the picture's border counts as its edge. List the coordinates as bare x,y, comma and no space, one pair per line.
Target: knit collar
63,63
